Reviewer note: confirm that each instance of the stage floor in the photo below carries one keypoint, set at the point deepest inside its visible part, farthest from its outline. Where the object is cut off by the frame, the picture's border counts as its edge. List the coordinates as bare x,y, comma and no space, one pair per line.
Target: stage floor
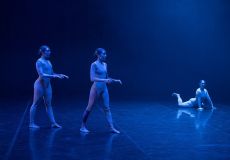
149,130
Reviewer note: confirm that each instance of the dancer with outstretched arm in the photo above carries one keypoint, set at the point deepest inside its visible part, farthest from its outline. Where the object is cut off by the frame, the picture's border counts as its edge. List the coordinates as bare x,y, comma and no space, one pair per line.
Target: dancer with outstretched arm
99,75
42,86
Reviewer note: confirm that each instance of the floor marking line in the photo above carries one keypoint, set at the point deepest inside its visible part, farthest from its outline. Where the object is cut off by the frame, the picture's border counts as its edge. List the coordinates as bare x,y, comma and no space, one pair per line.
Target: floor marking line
130,138
16,134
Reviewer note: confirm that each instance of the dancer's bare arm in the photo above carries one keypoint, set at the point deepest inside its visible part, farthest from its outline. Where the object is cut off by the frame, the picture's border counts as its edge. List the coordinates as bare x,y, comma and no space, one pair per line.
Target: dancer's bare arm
62,75
114,80
199,103
198,96
43,75
209,100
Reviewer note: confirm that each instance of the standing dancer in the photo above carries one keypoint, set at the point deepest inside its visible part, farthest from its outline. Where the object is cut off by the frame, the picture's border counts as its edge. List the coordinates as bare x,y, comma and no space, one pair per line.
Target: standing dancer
42,86
99,75
201,94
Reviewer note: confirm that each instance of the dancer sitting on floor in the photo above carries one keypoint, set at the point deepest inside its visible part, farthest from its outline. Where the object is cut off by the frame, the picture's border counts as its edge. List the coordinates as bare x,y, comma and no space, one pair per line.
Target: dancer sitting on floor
99,75
42,86
201,94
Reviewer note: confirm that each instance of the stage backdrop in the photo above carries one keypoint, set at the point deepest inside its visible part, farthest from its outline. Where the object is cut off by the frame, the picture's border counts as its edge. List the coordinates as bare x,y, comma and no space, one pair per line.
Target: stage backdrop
156,47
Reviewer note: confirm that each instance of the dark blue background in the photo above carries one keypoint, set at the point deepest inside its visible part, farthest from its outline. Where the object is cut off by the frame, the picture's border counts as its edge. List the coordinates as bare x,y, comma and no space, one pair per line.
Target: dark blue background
156,47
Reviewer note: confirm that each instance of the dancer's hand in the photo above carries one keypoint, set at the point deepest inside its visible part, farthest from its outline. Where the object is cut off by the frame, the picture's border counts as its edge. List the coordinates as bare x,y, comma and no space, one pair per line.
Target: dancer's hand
200,109
109,81
119,81
57,76
64,76
213,107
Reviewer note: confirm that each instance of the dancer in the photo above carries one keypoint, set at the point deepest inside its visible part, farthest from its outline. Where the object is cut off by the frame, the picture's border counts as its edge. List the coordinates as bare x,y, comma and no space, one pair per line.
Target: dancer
42,86
99,75
201,94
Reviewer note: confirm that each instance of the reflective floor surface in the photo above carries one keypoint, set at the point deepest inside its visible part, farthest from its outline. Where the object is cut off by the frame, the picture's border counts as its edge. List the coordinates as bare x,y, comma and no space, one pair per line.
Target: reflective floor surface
149,130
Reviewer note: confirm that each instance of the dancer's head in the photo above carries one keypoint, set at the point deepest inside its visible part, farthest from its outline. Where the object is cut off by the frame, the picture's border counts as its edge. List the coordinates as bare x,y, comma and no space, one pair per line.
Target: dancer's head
100,53
44,51
202,84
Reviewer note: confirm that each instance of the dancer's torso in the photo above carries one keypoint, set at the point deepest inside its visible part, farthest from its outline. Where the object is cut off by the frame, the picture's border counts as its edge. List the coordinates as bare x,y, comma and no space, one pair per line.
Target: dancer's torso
47,69
201,93
100,72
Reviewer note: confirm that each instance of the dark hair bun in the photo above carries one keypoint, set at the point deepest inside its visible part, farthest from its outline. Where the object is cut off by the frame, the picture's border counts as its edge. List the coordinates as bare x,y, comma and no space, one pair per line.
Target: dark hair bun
98,51
42,49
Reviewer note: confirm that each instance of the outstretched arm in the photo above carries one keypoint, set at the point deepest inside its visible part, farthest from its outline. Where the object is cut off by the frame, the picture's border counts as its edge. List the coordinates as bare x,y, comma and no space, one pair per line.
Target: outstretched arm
199,103
43,75
62,75
209,100
114,80
198,96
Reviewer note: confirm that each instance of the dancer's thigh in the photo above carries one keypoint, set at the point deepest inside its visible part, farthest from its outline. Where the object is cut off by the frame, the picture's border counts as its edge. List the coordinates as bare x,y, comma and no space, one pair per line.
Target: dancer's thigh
105,99
48,95
93,96
38,93
186,104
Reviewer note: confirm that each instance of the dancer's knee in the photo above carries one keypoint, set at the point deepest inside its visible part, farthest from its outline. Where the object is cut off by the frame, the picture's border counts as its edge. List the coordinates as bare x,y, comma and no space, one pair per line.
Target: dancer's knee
34,105
89,108
48,105
106,109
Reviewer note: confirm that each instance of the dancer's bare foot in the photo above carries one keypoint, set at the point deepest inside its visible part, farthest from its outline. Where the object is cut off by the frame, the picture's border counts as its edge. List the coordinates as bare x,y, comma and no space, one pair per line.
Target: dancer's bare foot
55,125
83,129
175,95
34,126
113,130
201,109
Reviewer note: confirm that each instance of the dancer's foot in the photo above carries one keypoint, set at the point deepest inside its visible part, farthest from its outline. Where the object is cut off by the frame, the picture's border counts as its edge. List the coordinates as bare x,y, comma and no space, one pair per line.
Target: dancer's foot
34,126
175,95
55,125
113,130
83,129
200,109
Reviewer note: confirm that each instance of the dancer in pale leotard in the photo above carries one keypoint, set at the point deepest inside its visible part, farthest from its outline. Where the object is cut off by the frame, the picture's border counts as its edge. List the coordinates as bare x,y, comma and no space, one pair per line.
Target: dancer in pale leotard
99,75
42,86
201,94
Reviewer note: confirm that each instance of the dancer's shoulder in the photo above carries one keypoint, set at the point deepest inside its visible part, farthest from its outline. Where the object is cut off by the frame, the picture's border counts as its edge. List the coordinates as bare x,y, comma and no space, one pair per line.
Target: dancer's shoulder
104,64
198,90
94,65
39,61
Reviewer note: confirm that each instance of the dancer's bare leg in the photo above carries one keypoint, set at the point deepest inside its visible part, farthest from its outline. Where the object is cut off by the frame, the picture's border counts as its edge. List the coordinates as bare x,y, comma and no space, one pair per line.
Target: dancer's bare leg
92,100
49,110
38,94
105,98
180,102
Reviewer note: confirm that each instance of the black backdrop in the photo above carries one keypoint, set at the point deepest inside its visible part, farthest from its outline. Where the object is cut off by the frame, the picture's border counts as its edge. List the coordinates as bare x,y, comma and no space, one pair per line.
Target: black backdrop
155,47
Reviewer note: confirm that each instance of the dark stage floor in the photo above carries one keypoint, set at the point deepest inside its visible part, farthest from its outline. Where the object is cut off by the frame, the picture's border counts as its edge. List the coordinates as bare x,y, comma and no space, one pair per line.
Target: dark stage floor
149,130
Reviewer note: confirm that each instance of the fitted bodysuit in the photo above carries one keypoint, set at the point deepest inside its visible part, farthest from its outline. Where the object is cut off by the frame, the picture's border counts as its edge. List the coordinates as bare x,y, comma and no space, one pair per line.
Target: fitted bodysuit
100,72
42,86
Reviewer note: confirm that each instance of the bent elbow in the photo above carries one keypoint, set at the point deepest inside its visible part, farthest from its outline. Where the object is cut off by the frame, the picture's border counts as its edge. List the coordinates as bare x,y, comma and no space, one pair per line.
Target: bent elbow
41,75
92,79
